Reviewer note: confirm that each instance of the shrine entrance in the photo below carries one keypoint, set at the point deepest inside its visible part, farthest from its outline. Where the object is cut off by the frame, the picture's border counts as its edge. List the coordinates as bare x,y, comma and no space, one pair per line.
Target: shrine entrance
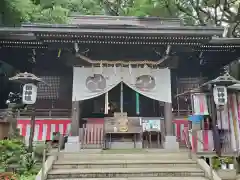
140,125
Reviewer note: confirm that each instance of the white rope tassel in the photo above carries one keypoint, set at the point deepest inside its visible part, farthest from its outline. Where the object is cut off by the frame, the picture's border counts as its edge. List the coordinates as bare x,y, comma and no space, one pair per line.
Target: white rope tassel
115,69
146,70
76,47
93,69
106,108
168,49
130,69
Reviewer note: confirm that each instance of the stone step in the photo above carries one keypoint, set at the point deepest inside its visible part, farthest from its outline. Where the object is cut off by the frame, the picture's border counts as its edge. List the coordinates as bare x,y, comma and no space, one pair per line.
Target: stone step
125,172
123,164
140,178
166,156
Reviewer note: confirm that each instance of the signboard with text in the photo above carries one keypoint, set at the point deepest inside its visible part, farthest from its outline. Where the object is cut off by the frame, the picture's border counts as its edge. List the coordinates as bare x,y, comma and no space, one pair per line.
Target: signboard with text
151,125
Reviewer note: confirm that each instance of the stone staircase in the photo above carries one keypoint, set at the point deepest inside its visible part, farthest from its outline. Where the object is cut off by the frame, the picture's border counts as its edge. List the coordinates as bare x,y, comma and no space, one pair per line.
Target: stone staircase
140,166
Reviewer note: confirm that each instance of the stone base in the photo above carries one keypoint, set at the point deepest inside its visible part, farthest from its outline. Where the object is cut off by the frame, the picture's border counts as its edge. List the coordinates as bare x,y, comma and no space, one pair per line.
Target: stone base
73,144
124,145
171,143
72,147
227,174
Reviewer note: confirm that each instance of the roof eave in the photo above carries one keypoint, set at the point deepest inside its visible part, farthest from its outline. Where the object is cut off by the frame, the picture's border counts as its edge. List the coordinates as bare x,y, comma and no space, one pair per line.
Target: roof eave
224,41
70,29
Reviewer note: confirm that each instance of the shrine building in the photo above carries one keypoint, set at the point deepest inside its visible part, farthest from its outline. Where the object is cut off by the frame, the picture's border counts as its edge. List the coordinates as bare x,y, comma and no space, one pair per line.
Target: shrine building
112,79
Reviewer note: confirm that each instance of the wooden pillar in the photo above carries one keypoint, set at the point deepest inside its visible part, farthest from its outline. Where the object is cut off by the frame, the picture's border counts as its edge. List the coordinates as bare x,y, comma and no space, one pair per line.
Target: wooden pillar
170,140
75,118
168,116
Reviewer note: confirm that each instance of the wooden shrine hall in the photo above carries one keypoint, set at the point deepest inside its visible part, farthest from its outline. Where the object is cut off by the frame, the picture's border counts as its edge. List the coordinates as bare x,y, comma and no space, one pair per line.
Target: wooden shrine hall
123,71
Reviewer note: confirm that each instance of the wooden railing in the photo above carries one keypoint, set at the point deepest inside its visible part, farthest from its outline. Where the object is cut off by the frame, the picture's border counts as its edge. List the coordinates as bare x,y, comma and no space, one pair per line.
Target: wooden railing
48,113
181,112
67,113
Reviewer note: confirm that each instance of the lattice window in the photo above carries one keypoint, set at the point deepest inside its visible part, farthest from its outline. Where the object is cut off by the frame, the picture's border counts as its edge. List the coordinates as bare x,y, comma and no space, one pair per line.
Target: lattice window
50,91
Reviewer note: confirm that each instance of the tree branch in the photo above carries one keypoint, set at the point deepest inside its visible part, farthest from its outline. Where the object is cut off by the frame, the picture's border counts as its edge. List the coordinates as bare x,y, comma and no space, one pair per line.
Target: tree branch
180,8
217,3
234,31
168,8
196,9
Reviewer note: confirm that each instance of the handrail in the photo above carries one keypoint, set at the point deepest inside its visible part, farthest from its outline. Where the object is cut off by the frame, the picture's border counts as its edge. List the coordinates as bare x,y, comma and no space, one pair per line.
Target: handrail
197,138
45,154
186,134
43,163
187,142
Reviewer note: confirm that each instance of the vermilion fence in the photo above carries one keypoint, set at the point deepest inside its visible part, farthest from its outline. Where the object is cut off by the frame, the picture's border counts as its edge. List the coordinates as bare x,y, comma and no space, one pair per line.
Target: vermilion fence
92,135
44,128
93,131
201,141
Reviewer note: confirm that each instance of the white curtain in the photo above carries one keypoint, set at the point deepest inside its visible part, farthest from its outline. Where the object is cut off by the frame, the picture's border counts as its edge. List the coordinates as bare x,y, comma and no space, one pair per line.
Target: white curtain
83,80
152,83
156,83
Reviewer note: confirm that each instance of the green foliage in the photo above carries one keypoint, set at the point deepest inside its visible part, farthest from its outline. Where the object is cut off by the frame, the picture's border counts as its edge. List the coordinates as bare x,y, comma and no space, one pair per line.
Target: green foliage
16,11
216,163
38,150
204,12
27,177
160,8
10,152
56,14
15,158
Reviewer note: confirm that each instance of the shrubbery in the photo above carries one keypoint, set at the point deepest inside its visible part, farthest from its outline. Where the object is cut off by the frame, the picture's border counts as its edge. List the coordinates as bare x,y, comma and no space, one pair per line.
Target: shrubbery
16,161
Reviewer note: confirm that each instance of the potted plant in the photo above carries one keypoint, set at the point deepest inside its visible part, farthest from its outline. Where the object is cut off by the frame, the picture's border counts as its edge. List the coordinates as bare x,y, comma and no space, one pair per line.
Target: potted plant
226,170
216,163
223,163
230,163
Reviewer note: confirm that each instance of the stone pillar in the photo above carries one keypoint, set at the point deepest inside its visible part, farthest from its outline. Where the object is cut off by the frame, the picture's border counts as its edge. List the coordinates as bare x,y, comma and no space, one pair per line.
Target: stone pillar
170,140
